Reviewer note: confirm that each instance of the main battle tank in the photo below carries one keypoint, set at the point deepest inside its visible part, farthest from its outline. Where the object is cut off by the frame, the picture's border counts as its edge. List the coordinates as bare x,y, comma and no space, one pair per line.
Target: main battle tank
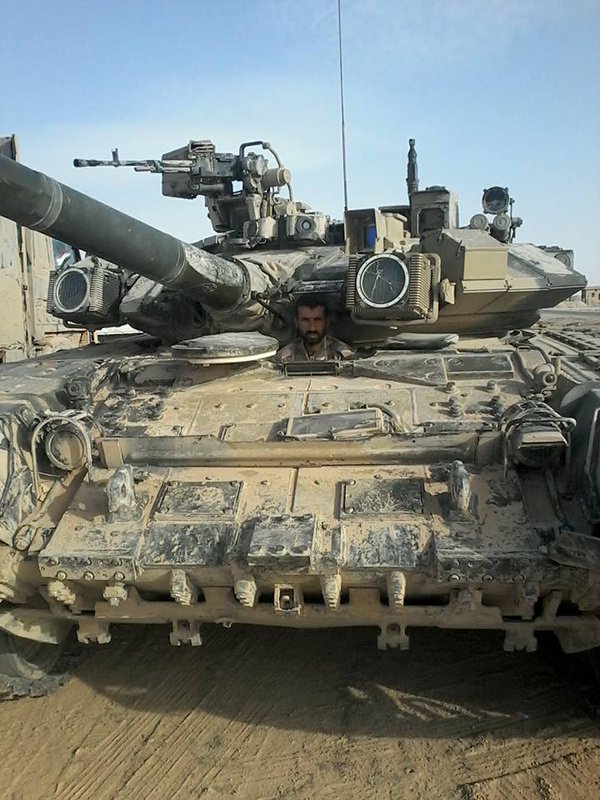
446,475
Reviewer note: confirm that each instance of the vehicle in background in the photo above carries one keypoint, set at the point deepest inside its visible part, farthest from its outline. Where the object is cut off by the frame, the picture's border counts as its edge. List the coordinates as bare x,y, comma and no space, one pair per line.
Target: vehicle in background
26,260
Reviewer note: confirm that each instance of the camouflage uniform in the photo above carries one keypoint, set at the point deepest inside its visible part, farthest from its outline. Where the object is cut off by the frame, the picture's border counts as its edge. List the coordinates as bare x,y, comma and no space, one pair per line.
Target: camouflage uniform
329,349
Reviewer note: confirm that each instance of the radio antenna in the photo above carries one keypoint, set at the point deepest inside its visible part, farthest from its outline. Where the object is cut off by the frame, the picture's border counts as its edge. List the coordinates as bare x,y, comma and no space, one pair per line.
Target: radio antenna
342,114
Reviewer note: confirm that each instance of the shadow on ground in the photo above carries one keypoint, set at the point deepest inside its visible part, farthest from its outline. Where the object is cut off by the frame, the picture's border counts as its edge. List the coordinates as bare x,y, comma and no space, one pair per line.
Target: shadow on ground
450,683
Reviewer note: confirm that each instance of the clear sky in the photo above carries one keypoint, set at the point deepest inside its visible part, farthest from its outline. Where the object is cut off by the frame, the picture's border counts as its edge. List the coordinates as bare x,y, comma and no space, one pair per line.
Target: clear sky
497,92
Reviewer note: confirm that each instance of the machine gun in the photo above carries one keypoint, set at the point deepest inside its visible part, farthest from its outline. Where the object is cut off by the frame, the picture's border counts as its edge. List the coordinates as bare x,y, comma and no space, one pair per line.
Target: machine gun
256,214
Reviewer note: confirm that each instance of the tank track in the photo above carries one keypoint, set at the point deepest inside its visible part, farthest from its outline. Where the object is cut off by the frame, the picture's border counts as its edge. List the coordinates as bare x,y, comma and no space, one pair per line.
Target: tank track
12,688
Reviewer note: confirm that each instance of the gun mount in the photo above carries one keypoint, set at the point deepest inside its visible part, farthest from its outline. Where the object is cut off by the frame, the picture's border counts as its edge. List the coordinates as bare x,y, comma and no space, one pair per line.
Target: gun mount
255,214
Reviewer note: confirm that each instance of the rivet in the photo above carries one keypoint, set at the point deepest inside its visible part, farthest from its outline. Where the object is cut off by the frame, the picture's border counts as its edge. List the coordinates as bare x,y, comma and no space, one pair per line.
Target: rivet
119,576
88,576
61,575
454,577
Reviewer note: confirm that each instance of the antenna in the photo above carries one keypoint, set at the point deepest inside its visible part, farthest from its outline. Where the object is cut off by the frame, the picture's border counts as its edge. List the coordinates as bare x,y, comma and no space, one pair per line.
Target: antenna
343,118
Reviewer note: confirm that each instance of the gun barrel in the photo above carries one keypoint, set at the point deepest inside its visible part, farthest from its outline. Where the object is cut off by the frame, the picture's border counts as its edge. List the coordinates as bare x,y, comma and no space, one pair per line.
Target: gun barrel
37,201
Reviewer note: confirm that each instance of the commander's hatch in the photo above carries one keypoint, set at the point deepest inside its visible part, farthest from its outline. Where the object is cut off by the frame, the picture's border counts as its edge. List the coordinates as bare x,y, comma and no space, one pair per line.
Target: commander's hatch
360,423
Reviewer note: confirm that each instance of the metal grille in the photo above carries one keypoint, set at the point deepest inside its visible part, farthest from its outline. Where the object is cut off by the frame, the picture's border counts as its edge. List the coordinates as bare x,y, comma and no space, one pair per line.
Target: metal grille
419,286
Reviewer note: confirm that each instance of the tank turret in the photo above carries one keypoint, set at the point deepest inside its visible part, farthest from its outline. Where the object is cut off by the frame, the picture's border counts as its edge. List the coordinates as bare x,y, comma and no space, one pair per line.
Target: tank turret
385,271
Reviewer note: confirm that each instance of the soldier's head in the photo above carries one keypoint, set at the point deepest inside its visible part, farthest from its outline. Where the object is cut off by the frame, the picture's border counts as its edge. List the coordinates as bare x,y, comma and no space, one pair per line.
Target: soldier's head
311,321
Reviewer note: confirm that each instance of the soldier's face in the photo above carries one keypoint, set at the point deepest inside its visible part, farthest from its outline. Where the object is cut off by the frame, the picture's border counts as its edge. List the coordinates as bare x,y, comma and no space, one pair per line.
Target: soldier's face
311,323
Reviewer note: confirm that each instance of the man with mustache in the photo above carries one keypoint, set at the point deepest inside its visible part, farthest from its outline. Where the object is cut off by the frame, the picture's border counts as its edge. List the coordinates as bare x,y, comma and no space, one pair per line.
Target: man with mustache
312,343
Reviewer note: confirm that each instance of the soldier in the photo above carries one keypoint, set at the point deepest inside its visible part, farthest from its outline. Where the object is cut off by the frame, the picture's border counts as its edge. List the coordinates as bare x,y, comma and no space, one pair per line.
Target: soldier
312,343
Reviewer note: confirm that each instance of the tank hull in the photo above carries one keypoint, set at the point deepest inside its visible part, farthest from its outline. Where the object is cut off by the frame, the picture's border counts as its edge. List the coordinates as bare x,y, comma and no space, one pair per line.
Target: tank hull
214,496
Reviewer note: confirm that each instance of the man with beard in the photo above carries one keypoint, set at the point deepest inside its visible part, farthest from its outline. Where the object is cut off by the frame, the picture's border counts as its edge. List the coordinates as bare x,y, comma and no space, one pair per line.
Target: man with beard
312,343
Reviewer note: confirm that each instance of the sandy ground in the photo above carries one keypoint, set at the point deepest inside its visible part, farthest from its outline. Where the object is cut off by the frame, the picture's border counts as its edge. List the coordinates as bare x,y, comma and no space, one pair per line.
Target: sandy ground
579,315
273,713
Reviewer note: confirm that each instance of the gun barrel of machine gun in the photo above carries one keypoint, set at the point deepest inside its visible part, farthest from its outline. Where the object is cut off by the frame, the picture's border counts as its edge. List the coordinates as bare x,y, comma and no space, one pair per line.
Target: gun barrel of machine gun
144,165
38,202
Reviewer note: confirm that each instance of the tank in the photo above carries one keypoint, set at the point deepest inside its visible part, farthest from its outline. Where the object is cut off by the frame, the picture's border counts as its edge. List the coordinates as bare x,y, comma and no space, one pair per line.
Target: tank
443,471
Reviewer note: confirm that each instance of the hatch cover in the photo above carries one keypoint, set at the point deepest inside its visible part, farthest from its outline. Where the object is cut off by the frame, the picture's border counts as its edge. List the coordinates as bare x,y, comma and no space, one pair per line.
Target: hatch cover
181,500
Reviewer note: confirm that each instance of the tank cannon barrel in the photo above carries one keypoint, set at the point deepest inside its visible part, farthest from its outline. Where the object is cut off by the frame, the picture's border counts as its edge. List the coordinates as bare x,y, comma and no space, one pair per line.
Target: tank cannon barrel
38,202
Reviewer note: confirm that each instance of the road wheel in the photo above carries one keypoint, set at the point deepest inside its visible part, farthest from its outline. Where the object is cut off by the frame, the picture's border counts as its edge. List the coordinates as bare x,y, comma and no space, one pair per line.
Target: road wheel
24,658
33,669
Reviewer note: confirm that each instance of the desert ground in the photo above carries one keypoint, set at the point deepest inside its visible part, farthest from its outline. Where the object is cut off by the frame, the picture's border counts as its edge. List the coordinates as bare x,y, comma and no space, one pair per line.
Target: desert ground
273,713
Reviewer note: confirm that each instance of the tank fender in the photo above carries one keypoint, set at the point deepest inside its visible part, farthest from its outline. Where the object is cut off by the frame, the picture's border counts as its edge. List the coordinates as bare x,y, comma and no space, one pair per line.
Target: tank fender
24,622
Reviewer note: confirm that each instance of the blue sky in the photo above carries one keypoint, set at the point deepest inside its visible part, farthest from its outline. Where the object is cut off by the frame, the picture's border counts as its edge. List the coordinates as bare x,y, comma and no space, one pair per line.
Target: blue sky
496,92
